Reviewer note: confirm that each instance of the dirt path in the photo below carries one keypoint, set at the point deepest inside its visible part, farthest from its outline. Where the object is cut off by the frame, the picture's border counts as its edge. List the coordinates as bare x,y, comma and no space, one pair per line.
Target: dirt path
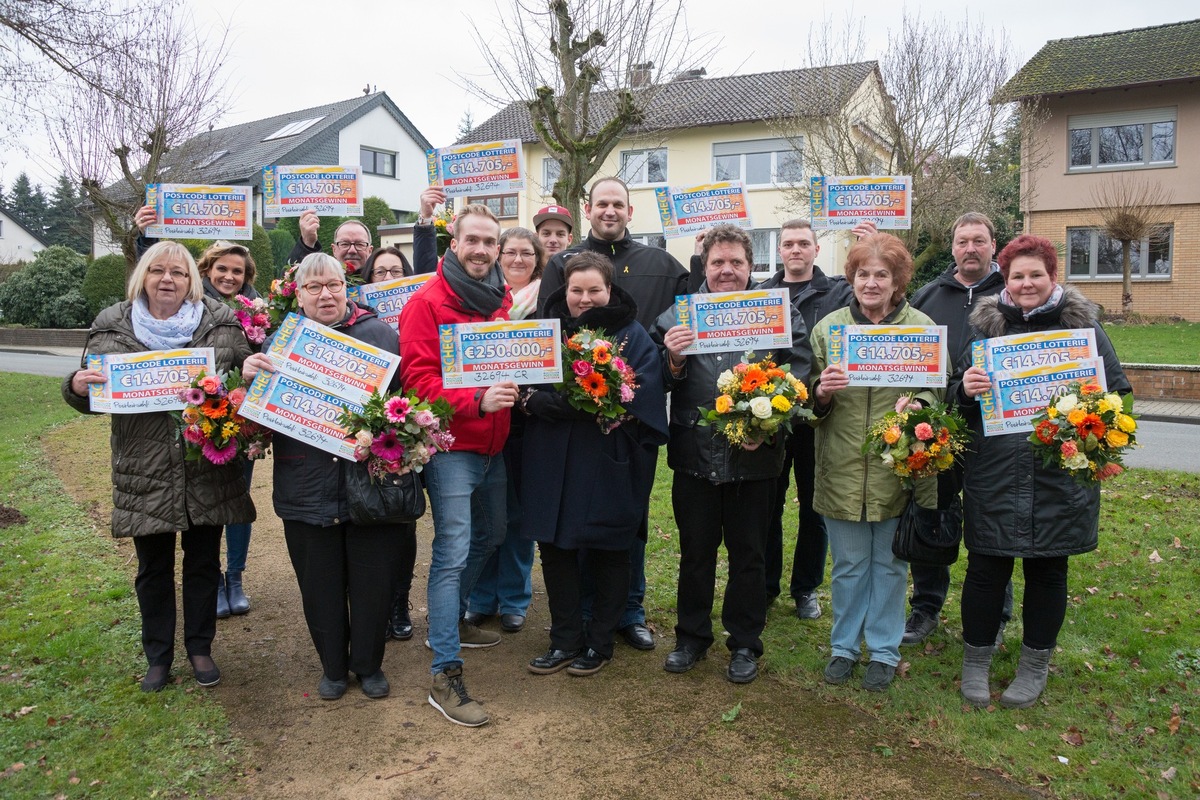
632,731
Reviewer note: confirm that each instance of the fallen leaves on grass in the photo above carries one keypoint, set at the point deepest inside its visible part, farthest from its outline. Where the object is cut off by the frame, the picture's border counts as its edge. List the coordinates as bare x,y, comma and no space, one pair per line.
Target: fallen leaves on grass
1073,737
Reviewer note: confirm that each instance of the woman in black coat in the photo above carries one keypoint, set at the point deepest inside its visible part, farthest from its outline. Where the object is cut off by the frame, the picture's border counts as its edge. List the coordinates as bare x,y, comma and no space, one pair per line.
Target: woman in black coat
1013,505
586,490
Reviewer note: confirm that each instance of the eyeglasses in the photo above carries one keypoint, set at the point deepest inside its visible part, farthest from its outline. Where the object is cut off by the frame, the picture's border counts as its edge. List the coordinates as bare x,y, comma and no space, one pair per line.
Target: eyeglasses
315,289
353,245
518,253
388,272
176,274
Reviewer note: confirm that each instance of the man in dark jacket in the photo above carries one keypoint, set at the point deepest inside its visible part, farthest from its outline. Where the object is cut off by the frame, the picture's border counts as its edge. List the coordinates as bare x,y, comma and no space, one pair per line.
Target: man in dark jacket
813,296
653,277
949,300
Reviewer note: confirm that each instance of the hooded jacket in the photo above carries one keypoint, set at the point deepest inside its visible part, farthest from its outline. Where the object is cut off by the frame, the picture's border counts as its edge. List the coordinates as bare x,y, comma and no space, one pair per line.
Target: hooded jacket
699,450
154,489
1013,505
651,276
947,302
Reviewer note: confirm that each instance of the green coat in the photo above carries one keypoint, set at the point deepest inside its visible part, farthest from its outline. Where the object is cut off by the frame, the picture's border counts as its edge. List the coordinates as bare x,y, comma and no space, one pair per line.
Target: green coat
849,485
154,489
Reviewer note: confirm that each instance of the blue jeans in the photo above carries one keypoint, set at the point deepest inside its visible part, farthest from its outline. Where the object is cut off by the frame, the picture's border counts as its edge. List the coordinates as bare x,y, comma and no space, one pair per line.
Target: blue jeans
237,537
505,584
868,585
466,493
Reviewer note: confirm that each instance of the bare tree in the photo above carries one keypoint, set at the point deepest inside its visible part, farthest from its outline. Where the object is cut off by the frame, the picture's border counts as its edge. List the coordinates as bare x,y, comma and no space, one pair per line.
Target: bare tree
586,71
134,127
1131,209
936,123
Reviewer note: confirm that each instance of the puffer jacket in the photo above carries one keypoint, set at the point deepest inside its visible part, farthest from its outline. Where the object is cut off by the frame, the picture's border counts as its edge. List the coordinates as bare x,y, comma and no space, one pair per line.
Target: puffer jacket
699,450
154,489
848,484
1013,505
309,483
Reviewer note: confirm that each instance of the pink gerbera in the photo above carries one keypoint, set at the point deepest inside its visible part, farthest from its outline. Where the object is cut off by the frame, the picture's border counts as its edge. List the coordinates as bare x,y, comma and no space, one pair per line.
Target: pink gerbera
396,409
388,446
193,396
219,455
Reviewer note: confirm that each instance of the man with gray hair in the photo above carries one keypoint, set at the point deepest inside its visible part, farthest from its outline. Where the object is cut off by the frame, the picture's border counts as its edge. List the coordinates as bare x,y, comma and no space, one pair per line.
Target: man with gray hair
351,242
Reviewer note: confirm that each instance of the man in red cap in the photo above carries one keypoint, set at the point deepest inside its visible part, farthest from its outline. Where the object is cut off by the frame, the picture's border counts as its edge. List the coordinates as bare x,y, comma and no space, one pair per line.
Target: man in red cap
554,227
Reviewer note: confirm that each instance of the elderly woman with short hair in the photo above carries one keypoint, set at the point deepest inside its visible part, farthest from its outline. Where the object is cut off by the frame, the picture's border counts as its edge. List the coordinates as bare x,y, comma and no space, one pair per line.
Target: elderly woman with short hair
156,492
858,495
346,571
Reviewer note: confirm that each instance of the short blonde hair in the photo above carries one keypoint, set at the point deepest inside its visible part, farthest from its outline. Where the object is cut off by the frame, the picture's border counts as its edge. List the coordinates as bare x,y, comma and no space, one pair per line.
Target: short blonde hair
166,248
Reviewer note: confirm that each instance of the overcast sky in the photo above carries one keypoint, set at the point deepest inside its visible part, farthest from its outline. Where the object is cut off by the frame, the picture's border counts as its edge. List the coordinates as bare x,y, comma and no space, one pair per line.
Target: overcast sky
413,50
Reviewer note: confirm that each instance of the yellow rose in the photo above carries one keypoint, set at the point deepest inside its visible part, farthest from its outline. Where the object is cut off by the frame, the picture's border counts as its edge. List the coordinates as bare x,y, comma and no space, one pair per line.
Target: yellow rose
1076,416
781,403
1116,438
724,404
1126,423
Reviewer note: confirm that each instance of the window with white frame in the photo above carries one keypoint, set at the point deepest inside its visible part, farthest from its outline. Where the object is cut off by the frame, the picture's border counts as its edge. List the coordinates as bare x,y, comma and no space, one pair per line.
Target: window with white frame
1121,139
644,166
765,242
551,171
502,205
758,162
1092,254
377,162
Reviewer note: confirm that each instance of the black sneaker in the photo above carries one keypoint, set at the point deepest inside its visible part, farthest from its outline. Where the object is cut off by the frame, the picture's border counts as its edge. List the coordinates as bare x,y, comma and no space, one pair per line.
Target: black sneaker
839,669
879,676
807,606
918,628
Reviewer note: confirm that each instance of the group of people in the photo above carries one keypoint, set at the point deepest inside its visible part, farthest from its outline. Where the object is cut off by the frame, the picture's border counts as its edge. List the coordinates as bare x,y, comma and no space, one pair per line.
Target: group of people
528,470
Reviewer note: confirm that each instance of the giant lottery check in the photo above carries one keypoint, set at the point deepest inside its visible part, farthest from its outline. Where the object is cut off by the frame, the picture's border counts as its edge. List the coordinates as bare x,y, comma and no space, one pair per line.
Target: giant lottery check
485,353
388,297
685,211
292,407
734,322
328,191
843,202
150,381
330,360
191,211
890,355
1041,349
473,169
1017,396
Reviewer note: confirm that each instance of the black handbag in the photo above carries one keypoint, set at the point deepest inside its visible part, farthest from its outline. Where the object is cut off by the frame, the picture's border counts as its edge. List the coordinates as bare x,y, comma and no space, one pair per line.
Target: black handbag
386,500
928,536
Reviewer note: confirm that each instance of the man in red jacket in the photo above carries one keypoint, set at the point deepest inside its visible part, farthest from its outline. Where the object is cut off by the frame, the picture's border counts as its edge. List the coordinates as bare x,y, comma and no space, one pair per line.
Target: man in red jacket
466,484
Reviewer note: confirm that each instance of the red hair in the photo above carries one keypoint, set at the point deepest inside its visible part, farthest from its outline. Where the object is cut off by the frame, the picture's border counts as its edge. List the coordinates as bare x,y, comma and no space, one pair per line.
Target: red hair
1034,247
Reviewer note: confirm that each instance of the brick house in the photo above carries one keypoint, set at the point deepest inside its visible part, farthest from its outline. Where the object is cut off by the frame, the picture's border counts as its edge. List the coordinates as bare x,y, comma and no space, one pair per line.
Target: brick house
1121,102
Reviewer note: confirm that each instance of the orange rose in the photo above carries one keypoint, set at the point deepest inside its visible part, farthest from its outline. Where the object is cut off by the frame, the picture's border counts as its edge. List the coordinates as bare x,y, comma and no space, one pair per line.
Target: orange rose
724,404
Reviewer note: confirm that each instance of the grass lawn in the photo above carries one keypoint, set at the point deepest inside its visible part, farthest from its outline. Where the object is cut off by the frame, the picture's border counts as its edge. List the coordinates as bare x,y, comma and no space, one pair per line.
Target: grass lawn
74,721
1164,343
1119,716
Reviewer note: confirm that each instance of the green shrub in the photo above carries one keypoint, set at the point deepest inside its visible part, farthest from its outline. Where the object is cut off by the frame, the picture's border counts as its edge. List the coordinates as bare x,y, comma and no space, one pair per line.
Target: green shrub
264,260
70,310
26,297
375,213
282,243
104,283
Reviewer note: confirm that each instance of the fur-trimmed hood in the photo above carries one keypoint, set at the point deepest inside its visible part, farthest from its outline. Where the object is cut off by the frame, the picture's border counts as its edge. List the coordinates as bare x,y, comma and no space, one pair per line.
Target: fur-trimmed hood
993,318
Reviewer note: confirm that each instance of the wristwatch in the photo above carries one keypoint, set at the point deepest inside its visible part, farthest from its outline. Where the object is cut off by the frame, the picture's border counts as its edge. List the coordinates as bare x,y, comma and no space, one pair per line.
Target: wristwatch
424,220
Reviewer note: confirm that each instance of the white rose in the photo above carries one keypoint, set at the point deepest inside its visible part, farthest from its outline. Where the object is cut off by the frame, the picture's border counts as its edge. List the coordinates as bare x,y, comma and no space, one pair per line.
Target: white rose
1077,461
1066,403
363,438
761,407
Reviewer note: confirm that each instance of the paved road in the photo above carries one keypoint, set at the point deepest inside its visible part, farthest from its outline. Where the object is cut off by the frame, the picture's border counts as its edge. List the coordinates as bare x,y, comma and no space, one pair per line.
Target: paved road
33,362
1167,445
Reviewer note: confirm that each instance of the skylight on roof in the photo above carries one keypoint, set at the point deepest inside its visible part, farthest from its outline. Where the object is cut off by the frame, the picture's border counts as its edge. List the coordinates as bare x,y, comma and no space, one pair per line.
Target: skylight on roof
292,128
214,158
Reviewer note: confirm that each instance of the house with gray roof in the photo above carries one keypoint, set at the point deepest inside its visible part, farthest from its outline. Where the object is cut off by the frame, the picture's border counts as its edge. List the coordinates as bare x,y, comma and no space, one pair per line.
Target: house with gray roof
1120,107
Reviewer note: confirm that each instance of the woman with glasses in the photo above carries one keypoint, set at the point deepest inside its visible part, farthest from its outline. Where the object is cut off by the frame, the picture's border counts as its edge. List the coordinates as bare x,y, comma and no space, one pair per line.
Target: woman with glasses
505,585
155,491
345,571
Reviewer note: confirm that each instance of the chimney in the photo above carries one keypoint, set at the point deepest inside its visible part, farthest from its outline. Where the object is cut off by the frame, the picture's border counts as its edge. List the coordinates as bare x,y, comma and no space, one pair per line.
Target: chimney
640,75
690,75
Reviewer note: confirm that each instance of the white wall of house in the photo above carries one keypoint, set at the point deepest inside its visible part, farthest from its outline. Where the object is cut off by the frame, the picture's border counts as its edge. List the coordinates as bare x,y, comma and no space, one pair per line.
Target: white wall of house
380,132
16,243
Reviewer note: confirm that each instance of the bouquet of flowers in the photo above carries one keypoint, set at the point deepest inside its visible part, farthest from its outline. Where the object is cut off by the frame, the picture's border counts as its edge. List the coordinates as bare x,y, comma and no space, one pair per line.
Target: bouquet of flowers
917,443
443,226
757,400
602,380
212,428
281,300
253,317
398,433
1086,431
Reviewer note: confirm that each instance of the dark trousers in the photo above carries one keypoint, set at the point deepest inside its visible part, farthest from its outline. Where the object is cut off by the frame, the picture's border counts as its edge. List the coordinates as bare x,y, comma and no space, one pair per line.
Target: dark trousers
155,587
708,514
406,557
346,573
1042,612
808,562
609,573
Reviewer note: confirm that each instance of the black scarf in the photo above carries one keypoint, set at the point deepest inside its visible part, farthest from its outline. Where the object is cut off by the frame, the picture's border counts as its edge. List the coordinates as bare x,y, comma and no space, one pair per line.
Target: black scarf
620,311
483,296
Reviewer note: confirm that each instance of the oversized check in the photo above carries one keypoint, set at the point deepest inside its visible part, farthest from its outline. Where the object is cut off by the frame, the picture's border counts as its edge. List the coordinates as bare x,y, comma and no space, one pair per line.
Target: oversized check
485,353
688,210
192,211
469,169
890,355
1017,396
734,322
149,381
330,360
1041,349
278,401
843,202
329,191
388,297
